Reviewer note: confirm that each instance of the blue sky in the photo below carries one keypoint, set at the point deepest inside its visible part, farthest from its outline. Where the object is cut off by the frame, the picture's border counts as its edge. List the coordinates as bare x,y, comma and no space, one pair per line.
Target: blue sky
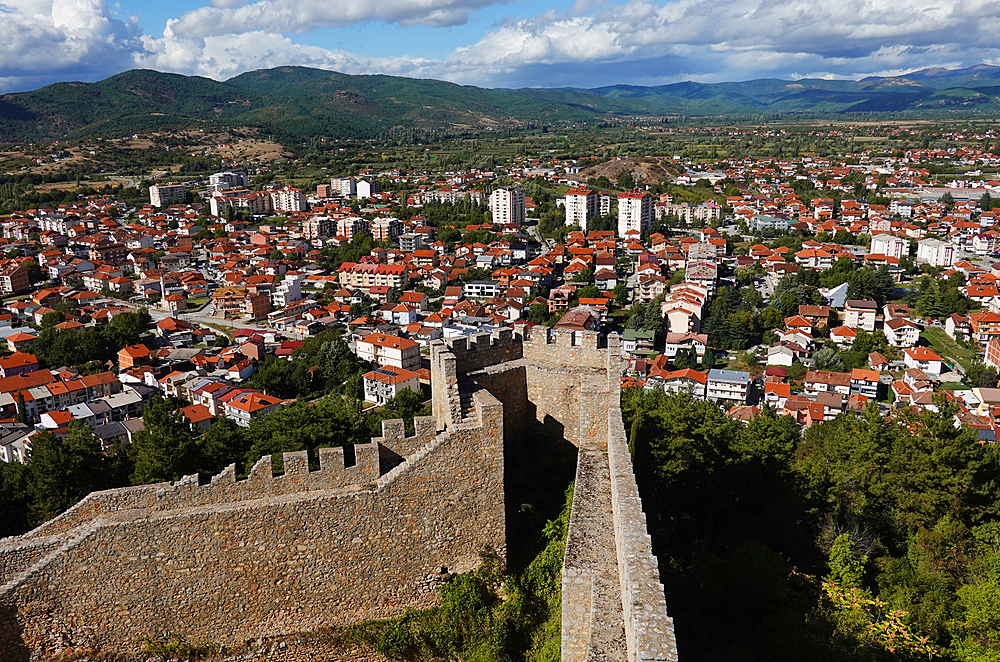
496,43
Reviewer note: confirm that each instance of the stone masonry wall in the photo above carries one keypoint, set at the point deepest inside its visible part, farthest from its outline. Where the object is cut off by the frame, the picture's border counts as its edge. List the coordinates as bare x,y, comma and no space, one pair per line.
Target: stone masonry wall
236,560
649,630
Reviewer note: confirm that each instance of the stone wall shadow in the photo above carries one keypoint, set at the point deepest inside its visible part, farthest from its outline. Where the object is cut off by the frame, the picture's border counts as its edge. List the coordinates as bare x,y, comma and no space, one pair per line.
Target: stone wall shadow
11,636
537,471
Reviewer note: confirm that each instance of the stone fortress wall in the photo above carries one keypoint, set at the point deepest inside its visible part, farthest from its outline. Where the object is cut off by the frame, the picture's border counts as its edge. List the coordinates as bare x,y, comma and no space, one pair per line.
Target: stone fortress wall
567,382
371,533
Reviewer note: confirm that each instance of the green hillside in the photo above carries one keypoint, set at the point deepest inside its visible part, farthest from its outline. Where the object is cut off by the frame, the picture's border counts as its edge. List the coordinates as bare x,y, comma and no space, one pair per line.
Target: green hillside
296,102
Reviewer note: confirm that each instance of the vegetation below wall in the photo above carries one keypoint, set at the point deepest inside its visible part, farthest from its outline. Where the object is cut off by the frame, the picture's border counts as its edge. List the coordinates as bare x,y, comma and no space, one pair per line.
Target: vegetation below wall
485,615
865,538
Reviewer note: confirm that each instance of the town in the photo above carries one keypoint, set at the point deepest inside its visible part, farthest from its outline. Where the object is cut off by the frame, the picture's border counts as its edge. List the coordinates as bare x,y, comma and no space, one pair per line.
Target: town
787,286
814,285
772,291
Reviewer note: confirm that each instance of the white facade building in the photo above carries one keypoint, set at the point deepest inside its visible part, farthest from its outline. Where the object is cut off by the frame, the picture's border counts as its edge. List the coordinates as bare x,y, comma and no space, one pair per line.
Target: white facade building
635,212
164,195
891,245
935,252
581,205
507,205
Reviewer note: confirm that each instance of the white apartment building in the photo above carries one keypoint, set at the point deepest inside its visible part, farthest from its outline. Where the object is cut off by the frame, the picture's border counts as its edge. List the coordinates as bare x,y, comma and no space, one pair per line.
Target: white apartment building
635,212
229,179
507,205
901,332
288,290
860,314
891,245
288,200
935,252
385,383
164,195
348,227
581,205
728,386
365,188
343,186
386,350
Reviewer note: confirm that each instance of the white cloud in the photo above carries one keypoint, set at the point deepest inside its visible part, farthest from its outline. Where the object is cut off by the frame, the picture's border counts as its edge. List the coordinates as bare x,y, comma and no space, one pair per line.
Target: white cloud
64,37
224,56
590,44
298,16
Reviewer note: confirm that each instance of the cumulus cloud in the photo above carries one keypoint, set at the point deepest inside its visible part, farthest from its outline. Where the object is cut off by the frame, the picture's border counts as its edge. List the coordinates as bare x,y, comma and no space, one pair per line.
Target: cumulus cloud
224,56
298,16
740,38
591,43
67,38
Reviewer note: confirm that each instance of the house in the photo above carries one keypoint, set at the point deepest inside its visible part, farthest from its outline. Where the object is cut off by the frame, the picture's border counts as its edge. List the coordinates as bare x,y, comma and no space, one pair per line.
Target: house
780,355
865,382
822,381
248,406
843,335
685,381
860,314
957,326
984,326
901,332
386,350
198,416
131,356
385,383
678,341
18,364
923,359
776,393
638,342
728,386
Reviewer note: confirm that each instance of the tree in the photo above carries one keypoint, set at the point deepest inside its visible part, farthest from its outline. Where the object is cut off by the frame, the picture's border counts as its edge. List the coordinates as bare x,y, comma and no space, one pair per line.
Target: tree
64,470
827,359
625,181
223,444
708,360
165,449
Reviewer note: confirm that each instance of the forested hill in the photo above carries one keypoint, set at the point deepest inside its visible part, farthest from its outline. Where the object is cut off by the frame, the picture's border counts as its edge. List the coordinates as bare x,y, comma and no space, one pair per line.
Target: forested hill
293,102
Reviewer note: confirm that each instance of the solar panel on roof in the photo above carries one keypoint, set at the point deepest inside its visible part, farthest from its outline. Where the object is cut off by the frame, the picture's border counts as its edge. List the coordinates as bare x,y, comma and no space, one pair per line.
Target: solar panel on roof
383,371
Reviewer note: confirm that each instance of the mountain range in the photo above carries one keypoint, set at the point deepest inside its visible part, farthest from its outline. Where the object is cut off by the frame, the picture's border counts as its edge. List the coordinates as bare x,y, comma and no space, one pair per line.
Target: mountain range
296,102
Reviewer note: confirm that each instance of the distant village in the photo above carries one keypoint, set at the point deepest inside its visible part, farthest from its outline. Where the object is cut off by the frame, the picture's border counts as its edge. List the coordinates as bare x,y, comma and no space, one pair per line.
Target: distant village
731,299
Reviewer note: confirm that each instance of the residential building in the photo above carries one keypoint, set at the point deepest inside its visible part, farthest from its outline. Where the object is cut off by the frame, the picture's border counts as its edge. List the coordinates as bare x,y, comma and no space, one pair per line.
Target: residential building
386,350
507,205
581,205
366,188
984,326
901,332
345,187
822,381
164,195
923,359
247,406
289,200
935,252
728,386
865,382
889,245
635,213
860,314
14,279
386,382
